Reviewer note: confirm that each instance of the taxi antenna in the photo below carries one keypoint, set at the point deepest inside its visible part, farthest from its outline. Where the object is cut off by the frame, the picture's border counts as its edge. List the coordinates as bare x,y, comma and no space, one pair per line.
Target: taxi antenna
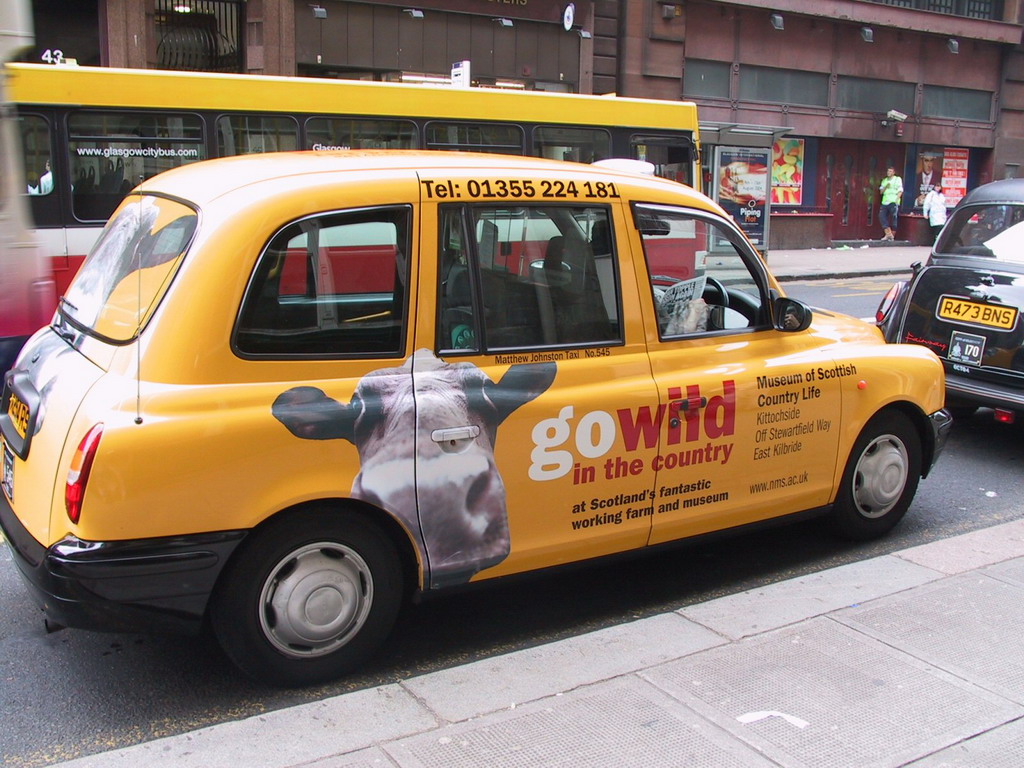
138,328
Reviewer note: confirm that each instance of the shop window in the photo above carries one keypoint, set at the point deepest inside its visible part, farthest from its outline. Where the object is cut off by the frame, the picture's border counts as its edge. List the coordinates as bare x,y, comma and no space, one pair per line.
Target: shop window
783,86
706,78
960,103
199,35
870,95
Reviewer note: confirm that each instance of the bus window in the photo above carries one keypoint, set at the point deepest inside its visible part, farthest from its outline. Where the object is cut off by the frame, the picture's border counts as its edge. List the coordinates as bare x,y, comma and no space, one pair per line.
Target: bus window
112,152
580,145
348,133
475,137
37,146
672,158
245,134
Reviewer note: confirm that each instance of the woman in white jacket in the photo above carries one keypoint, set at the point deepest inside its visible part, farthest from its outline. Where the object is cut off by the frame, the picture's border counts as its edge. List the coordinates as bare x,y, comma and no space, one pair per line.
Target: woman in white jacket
934,207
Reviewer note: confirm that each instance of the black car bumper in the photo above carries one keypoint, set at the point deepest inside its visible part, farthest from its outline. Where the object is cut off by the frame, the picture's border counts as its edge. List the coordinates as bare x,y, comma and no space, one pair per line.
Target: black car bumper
942,423
964,390
121,586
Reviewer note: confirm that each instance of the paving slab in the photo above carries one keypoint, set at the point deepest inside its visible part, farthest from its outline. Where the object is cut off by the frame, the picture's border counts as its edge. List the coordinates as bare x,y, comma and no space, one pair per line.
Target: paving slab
822,694
285,737
970,550
787,602
533,673
970,625
1001,747
620,723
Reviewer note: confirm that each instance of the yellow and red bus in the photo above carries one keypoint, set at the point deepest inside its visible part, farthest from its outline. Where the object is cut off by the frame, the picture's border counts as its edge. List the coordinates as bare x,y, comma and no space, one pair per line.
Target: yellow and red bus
26,288
91,134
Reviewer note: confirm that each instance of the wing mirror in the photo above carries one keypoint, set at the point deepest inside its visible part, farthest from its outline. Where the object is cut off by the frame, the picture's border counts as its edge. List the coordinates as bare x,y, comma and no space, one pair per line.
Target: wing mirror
791,315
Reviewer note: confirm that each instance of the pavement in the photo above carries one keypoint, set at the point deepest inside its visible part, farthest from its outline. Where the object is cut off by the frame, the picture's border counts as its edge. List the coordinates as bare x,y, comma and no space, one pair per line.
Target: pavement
845,261
914,658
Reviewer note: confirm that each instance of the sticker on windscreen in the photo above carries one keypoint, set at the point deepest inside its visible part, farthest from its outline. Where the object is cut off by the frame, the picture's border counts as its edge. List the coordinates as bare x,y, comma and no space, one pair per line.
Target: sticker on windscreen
966,348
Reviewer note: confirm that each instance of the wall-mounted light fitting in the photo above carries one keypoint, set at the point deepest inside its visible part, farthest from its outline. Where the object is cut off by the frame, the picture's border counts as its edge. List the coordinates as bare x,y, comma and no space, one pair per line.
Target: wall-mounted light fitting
584,34
777,21
953,44
867,34
504,22
319,12
416,13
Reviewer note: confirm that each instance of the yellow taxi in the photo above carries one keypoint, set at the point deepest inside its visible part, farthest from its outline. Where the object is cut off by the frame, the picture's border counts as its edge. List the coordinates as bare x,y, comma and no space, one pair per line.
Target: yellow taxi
287,392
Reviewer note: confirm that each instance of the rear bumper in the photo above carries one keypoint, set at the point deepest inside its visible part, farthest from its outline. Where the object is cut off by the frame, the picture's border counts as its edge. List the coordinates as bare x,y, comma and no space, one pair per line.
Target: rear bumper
963,390
942,424
159,584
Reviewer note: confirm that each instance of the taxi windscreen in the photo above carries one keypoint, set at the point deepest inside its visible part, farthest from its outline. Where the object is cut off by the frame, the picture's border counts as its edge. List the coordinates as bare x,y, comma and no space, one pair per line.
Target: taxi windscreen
129,269
994,230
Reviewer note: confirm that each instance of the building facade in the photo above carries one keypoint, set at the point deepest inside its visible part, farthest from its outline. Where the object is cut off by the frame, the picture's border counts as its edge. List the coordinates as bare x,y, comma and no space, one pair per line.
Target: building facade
808,100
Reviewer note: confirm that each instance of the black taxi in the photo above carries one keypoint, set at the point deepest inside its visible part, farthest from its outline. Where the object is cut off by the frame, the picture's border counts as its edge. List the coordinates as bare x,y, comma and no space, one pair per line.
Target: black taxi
964,303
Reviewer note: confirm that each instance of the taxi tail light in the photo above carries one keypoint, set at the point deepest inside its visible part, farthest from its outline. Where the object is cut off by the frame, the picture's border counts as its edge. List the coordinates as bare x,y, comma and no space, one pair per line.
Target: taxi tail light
78,473
1004,416
887,303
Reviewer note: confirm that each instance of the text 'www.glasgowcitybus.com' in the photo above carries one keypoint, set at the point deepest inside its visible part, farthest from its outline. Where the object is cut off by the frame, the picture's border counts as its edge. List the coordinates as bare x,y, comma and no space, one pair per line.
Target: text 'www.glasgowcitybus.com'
126,152
779,483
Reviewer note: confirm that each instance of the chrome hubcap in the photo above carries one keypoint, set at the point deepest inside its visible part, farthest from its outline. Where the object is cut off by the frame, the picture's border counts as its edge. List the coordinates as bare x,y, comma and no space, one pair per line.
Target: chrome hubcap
315,600
880,476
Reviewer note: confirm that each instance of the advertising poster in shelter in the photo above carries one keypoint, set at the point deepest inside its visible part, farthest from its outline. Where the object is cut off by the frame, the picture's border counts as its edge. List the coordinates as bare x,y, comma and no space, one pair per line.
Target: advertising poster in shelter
955,163
742,188
788,172
927,174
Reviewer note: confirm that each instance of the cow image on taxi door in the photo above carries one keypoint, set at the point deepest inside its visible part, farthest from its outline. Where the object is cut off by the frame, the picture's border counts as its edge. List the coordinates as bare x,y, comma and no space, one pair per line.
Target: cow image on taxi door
347,335
446,470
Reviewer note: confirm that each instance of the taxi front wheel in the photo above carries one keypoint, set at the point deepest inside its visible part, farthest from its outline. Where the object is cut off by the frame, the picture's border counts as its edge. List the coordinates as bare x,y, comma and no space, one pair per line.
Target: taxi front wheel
880,479
307,598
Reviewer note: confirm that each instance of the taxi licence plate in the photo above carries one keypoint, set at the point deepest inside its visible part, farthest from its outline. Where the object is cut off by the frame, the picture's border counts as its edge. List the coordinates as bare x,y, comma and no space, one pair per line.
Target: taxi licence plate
7,480
975,313
19,414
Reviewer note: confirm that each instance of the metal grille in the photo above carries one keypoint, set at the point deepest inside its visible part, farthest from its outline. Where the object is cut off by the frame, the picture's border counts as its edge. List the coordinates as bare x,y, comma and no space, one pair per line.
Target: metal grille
975,9
200,35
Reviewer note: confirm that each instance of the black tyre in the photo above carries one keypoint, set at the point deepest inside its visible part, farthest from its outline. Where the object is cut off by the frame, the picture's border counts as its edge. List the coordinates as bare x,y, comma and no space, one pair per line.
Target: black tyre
880,479
308,598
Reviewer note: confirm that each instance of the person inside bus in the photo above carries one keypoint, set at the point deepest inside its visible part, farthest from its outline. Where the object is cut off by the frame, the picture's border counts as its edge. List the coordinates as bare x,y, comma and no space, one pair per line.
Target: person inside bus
45,185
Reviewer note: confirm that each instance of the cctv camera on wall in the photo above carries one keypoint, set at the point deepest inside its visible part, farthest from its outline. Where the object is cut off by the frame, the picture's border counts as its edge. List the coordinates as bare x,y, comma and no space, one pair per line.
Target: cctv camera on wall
895,114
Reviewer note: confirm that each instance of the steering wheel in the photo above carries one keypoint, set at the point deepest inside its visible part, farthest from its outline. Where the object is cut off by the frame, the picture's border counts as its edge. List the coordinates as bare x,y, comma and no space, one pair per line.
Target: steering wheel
722,298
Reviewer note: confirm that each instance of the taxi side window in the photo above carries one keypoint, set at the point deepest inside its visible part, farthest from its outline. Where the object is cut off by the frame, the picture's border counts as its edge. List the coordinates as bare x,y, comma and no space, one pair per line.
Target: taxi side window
702,275
523,276
330,286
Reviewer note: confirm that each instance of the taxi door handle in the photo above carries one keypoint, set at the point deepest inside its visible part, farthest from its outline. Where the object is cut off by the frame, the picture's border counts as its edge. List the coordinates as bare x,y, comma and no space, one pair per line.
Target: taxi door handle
685,404
689,403
452,434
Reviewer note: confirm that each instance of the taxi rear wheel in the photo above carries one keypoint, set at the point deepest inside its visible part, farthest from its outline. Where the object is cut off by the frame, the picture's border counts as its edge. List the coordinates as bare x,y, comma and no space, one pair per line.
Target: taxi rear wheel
880,479
308,598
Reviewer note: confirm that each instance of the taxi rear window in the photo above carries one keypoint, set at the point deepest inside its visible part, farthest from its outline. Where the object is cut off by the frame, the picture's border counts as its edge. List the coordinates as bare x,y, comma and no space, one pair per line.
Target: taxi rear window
331,285
130,267
991,231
